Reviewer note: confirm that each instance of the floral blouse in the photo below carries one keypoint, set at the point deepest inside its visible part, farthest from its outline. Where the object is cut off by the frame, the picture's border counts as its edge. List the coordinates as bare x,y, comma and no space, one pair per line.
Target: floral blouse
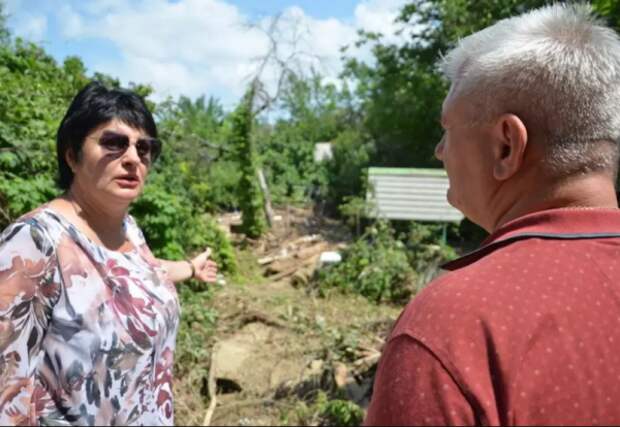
87,334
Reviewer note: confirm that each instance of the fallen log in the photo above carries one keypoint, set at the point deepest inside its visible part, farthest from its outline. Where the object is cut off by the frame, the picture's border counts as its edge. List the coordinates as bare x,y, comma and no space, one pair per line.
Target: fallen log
298,266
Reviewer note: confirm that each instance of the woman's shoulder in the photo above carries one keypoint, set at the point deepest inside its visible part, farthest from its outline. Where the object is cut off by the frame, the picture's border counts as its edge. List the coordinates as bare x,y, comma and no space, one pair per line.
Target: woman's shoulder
38,226
31,236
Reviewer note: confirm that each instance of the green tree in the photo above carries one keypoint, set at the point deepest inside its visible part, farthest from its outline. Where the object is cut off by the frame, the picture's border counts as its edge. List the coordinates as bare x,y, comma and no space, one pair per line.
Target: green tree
34,96
198,150
312,112
401,91
610,10
250,195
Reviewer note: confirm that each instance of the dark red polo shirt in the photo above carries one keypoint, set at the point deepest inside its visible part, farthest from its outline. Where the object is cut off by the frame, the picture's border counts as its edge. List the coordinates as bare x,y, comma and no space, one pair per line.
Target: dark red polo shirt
525,330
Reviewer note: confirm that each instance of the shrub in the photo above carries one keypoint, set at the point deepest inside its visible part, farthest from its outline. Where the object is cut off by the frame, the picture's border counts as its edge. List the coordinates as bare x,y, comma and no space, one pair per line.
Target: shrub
325,411
346,171
427,250
175,231
338,412
383,267
375,266
192,354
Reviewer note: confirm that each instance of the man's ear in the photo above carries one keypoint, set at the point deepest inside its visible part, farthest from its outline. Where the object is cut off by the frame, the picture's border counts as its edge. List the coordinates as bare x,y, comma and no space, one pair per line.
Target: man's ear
509,144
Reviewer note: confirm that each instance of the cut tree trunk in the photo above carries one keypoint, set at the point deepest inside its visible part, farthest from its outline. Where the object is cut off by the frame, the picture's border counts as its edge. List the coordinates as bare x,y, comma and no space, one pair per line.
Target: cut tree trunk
266,196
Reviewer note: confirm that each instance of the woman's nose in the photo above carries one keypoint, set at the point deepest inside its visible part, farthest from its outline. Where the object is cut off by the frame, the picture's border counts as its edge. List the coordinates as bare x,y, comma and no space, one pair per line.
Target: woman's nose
131,154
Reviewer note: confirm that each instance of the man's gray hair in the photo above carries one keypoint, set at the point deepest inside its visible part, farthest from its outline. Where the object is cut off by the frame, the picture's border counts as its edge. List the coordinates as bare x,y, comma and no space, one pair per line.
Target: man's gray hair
558,69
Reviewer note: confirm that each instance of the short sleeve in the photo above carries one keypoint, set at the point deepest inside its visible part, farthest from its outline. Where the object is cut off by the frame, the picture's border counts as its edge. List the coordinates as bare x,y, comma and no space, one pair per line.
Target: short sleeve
29,289
412,387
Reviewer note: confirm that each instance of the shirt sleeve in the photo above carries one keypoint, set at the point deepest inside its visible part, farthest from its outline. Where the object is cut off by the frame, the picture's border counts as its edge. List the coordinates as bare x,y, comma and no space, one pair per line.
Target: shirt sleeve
412,387
29,288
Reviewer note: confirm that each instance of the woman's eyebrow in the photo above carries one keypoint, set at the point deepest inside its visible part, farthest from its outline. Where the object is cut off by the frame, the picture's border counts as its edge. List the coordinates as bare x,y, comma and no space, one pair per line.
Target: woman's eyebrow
112,132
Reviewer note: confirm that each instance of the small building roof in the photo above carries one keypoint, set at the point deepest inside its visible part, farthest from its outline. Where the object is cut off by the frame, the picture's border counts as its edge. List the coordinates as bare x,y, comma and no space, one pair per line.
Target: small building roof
410,194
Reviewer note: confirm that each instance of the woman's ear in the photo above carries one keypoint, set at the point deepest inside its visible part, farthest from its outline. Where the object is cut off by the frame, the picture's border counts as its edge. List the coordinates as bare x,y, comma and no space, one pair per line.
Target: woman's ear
71,160
509,144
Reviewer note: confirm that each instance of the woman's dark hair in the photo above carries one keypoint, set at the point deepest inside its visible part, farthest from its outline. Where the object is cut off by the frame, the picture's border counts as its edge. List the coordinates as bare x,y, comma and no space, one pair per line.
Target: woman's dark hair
93,106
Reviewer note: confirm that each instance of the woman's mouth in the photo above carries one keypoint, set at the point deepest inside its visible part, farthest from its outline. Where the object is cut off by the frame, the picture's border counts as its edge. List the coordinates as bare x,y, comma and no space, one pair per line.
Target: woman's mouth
128,181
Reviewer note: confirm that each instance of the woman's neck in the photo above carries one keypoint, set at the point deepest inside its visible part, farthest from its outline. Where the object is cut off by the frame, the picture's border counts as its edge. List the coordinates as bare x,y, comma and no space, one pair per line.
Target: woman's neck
102,222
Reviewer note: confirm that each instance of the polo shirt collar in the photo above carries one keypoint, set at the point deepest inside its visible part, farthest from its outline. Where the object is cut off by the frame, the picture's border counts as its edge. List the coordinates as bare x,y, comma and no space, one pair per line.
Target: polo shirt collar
557,224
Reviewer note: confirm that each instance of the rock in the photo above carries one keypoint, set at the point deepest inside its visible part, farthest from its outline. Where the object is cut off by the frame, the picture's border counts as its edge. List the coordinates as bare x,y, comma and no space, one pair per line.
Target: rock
329,257
233,357
253,360
304,385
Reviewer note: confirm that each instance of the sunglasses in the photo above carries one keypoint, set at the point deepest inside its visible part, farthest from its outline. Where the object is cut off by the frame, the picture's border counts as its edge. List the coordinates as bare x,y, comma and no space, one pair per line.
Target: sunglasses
148,149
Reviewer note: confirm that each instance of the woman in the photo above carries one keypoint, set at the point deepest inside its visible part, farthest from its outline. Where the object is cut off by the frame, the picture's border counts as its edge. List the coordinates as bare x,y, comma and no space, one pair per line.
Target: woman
88,317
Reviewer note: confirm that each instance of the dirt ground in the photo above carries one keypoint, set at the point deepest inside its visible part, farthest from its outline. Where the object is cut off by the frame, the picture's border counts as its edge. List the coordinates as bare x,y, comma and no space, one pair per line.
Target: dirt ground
276,345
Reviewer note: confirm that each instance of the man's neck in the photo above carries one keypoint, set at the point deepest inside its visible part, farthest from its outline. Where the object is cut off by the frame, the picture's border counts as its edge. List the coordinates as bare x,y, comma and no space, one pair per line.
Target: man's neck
594,190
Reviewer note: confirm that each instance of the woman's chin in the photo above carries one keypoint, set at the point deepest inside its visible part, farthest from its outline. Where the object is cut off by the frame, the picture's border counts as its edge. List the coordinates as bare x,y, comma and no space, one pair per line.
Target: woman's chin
127,194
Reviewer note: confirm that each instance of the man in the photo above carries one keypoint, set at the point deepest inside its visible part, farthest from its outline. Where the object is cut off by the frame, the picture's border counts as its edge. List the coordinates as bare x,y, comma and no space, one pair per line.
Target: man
526,330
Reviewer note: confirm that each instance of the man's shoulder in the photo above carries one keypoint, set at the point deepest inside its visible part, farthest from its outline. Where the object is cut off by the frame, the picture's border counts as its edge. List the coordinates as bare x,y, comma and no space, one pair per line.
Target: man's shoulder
475,294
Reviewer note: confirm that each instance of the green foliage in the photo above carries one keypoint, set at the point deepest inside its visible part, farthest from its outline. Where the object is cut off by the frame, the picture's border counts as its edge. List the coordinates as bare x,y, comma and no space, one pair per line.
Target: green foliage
610,10
400,93
250,195
221,184
324,411
426,248
25,194
175,230
192,354
197,325
353,210
313,112
35,92
375,266
195,152
340,413
384,267
346,171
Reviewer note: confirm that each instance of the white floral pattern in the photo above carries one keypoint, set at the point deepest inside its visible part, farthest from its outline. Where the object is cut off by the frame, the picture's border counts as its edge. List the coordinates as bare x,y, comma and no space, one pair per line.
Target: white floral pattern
87,335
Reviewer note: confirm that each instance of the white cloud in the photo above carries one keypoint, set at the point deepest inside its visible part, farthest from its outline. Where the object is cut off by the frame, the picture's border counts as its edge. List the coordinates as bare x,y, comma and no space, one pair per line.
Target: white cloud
25,21
193,47
378,15
30,27
72,23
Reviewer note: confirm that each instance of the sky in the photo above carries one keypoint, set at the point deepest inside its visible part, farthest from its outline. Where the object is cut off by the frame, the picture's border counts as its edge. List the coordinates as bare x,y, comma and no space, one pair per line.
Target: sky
196,47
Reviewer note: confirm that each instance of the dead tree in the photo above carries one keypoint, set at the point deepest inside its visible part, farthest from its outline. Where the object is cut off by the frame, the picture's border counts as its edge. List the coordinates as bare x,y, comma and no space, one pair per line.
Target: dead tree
285,65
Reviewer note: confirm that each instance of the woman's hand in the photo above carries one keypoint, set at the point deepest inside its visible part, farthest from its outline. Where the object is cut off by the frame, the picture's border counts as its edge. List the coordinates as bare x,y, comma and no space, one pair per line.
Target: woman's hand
205,269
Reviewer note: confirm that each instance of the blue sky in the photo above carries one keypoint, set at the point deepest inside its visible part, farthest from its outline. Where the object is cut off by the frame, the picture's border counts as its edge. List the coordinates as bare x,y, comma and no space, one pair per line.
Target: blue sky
195,47
340,9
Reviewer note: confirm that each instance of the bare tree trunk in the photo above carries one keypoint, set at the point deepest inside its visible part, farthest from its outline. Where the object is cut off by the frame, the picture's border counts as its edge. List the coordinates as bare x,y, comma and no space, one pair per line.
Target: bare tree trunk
266,196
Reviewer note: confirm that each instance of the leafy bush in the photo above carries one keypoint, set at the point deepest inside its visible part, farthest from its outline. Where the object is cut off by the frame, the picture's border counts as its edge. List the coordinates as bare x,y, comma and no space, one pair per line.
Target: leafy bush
325,411
35,91
340,413
354,209
192,354
375,266
250,194
427,250
346,171
222,183
175,231
384,267
197,325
